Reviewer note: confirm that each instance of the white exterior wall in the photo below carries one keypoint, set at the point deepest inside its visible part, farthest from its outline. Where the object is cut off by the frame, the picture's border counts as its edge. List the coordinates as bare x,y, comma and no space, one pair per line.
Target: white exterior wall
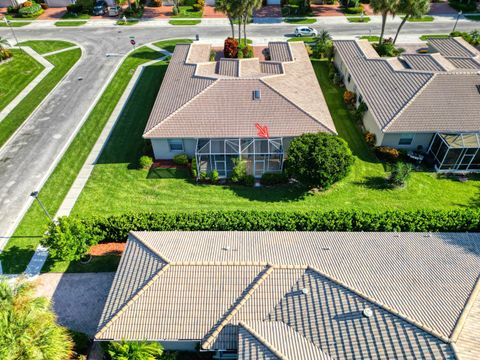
180,345
161,149
371,126
419,139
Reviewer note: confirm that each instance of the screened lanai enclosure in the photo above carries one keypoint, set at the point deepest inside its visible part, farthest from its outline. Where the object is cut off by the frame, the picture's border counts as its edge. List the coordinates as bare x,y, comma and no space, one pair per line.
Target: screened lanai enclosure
456,152
261,155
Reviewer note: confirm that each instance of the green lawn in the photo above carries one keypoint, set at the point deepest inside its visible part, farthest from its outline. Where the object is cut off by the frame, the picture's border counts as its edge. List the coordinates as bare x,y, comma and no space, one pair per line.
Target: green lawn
21,246
62,64
304,39
473,17
184,22
425,18
16,74
300,21
188,12
364,19
15,23
45,47
69,23
129,22
434,36
76,16
109,190
370,38
169,45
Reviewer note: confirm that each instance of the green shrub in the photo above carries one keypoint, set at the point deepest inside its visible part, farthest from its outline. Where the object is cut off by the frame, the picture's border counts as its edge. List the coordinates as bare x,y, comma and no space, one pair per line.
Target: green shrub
370,138
203,176
318,160
249,180
386,153
239,171
138,350
214,177
175,10
467,6
145,162
189,2
473,37
180,159
30,11
115,228
400,174
193,168
5,54
273,179
353,10
387,48
70,239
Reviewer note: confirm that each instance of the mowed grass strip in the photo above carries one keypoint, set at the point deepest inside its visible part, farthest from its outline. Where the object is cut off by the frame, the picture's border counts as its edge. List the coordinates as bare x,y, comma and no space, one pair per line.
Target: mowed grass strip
62,64
15,24
184,22
44,47
69,23
117,187
16,74
21,246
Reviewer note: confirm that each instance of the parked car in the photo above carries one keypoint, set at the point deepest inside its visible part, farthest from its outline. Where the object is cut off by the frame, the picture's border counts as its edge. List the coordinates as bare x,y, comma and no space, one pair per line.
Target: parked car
114,10
100,8
305,31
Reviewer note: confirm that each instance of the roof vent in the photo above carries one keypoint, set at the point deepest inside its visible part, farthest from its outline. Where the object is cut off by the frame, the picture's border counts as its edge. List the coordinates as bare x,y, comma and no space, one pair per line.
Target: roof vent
257,95
305,291
367,312
226,248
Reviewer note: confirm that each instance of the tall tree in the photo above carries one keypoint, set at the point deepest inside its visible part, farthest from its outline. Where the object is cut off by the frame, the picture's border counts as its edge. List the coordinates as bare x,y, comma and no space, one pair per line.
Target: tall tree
384,7
228,7
134,350
411,8
28,326
3,42
247,8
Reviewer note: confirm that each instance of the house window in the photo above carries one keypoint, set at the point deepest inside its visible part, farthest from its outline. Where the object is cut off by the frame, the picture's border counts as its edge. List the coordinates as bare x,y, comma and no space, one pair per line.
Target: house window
405,139
349,78
175,144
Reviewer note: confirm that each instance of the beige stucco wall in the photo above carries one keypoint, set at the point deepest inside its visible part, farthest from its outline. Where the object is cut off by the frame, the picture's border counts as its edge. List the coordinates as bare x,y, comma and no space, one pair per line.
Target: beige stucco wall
180,345
161,149
419,139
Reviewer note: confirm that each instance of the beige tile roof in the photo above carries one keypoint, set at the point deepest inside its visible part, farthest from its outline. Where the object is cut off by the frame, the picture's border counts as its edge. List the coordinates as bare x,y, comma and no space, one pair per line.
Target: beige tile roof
264,339
466,63
453,47
416,284
193,98
419,99
280,51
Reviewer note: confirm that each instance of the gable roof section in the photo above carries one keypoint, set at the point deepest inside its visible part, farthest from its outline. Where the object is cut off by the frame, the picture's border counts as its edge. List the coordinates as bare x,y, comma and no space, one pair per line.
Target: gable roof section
220,102
426,62
453,47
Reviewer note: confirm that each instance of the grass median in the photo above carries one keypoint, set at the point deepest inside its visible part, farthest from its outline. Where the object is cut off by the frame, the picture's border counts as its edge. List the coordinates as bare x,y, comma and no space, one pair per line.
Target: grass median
69,23
16,74
21,246
62,62
44,47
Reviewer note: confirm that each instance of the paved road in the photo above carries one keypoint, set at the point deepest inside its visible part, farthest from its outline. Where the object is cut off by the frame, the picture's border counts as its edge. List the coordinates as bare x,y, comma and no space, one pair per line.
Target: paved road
27,160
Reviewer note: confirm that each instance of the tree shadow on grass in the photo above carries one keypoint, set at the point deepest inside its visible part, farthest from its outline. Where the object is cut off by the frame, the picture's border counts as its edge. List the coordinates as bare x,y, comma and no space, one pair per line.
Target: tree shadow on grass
173,173
15,259
375,183
145,54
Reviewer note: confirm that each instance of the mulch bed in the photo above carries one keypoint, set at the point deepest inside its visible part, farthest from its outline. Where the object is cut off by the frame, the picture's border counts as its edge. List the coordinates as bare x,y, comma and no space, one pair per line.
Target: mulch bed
112,248
167,164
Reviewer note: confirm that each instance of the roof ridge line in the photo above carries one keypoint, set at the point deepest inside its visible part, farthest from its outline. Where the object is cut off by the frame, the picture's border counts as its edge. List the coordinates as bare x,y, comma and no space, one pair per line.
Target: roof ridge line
383,306
466,45
132,300
238,263
236,308
262,340
298,107
181,107
457,330
409,102
149,247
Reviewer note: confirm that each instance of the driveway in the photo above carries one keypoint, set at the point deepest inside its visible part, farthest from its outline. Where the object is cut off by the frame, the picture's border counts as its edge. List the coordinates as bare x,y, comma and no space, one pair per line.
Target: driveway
78,299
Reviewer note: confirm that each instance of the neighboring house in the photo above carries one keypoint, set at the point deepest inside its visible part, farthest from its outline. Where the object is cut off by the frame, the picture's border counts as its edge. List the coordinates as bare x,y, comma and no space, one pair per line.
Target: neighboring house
423,102
300,295
216,111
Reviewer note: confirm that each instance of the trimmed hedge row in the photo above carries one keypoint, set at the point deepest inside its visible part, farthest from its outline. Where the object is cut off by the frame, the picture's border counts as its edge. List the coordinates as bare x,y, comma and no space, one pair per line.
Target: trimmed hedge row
116,228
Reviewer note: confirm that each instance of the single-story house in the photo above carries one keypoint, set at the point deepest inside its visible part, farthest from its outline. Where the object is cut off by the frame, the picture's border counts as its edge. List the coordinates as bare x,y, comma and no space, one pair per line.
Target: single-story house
299,295
424,102
216,111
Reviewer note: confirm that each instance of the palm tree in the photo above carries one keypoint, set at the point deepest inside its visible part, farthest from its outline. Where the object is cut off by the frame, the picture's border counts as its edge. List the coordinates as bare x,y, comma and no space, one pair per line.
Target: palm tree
29,328
248,8
411,8
134,350
3,42
384,7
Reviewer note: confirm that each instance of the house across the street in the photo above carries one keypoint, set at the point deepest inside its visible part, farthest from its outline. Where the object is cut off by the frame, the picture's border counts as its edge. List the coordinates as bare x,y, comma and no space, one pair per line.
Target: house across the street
423,102
216,111
300,295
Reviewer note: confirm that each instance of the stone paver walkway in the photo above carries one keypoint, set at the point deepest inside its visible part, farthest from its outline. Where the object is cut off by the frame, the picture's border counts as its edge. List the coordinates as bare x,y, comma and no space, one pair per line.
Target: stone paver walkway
271,11
78,299
441,8
150,12
209,12
326,10
52,14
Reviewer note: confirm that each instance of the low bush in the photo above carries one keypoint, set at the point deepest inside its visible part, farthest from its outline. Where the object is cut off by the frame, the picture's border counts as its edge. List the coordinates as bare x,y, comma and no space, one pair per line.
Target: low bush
370,139
353,10
230,48
156,3
249,180
189,2
400,174
214,176
473,37
180,159
213,54
140,350
27,4
5,54
199,4
387,48
239,171
116,228
12,10
30,11
145,162
193,168
349,97
70,239
269,179
467,6
386,153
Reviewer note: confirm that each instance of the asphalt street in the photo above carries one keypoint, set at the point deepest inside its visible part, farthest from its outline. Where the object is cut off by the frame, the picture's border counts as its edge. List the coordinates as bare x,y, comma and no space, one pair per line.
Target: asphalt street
28,159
